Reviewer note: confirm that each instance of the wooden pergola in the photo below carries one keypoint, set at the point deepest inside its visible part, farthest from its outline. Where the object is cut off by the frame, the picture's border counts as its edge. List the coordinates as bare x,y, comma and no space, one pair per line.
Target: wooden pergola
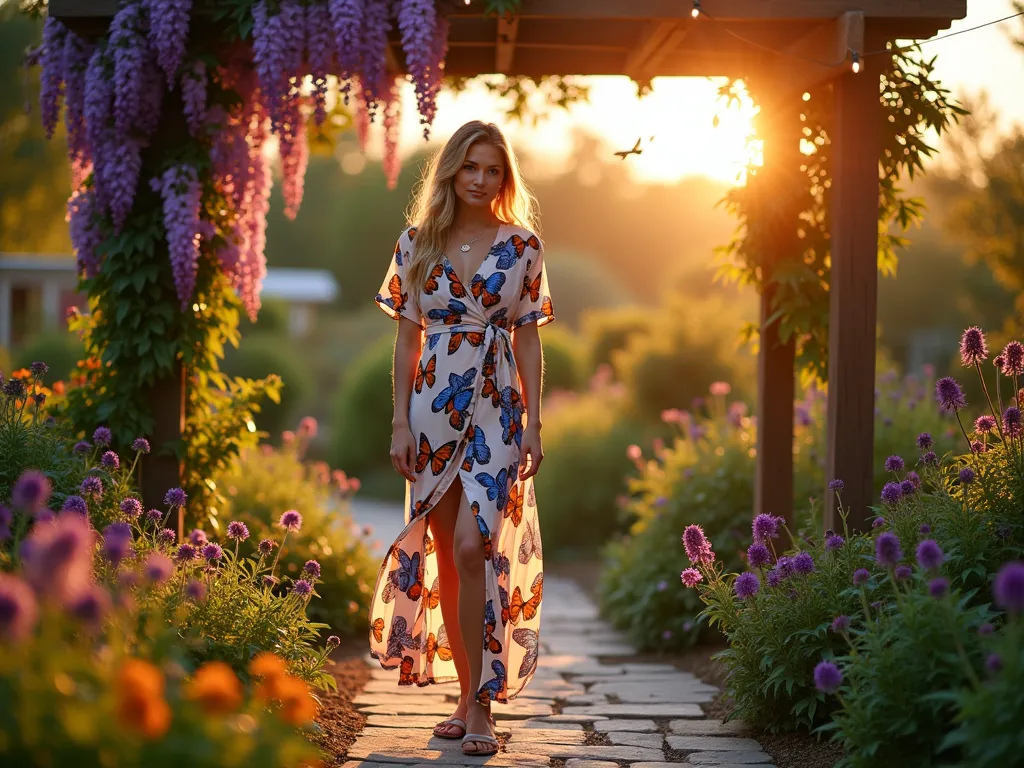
781,48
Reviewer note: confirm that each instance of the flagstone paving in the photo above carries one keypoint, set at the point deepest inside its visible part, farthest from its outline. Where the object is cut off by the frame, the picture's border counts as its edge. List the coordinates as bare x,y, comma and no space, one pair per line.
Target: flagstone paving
583,708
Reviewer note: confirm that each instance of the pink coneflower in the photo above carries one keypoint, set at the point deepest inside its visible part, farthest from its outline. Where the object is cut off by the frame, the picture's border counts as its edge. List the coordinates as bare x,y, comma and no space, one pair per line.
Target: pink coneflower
720,389
698,548
691,577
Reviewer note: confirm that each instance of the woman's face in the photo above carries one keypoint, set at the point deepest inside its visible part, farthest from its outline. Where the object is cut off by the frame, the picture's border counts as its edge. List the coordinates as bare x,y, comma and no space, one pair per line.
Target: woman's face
479,179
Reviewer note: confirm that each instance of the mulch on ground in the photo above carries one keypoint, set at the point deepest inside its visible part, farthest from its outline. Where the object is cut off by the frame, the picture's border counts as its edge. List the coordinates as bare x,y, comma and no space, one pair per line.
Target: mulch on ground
340,722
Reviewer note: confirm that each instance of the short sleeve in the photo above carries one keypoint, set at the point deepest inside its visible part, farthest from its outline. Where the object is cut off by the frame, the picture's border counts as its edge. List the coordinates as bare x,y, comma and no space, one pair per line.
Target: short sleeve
396,297
534,298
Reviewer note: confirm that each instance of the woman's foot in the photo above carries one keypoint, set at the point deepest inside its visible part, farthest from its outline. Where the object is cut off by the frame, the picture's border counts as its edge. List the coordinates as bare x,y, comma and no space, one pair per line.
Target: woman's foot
455,726
479,723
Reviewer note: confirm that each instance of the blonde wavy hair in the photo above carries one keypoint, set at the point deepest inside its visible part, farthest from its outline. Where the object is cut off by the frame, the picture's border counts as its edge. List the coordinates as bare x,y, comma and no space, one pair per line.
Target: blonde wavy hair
433,207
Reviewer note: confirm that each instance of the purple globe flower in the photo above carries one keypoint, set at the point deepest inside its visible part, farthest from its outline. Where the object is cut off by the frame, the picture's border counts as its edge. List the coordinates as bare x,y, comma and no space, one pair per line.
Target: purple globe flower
907,488
312,567
803,563
212,552
175,497
840,623
18,609
887,550
930,459
994,663
878,522
266,546
938,587
924,441
903,572
1013,359
56,559
198,537
91,607
82,447
949,394
891,493
929,555
39,368
102,436
31,490
291,520
302,588
698,548
827,677
117,542
833,542
1013,425
154,515
1008,588
92,486
158,567
140,445
774,578
195,591
973,348
237,531
893,464
186,553
785,566
984,424
978,447
913,478
758,556
766,527
925,528
131,507
836,485
691,577
166,536
986,629
110,460
966,476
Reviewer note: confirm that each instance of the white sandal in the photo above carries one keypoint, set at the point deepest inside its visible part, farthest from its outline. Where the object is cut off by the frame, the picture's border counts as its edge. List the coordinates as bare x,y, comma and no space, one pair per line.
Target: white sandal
481,739
451,721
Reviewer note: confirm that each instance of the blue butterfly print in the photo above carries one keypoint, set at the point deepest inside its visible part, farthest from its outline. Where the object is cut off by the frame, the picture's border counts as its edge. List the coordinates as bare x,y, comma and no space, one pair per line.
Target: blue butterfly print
493,687
476,448
399,637
432,340
456,398
407,575
511,418
502,566
488,290
452,315
491,643
507,254
398,254
497,486
485,532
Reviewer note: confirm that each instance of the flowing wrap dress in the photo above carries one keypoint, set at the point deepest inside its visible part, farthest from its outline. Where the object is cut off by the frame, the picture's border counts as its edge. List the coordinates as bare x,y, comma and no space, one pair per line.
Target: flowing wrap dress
466,414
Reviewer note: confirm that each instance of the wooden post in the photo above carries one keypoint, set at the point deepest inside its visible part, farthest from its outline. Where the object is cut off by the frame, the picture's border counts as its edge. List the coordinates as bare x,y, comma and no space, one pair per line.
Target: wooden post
161,471
779,206
855,142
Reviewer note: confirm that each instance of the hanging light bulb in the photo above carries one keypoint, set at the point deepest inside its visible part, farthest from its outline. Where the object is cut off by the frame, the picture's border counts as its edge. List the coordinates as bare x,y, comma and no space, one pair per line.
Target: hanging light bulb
856,62
696,9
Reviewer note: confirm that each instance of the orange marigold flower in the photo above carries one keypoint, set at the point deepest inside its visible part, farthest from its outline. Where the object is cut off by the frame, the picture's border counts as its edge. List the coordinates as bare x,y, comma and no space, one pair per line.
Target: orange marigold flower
140,702
58,388
297,706
216,688
140,676
267,665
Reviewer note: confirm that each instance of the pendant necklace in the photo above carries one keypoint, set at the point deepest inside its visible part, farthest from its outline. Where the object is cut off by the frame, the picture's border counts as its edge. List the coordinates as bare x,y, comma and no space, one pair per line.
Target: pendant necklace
466,246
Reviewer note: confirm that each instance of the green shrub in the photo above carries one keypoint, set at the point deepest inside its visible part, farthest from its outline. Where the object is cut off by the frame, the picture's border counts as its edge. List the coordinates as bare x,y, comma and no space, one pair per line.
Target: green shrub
609,331
565,359
363,410
60,349
263,483
259,355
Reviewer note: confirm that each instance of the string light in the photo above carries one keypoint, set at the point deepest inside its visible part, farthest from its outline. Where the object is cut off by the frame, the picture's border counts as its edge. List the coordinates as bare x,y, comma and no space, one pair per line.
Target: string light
696,9
856,62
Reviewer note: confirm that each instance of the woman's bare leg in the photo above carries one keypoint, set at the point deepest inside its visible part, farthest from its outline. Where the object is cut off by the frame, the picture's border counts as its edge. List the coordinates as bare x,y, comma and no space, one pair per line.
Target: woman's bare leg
441,520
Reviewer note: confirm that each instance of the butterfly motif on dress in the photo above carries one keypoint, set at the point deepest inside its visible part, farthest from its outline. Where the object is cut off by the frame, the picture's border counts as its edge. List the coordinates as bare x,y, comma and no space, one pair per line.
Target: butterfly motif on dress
491,643
439,646
490,388
528,639
488,290
378,629
455,339
398,253
408,576
494,687
437,458
531,497
450,316
432,597
432,340
428,543
512,250
485,532
396,300
496,486
511,418
455,286
405,674
530,546
456,398
499,318
419,507
526,608
531,289
431,284
425,373
412,233
502,566
476,448
399,637
503,598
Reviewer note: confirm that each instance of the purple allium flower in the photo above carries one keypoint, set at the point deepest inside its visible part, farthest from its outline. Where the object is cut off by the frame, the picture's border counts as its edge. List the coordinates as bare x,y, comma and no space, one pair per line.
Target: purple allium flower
893,464
91,606
914,478
887,550
267,546
978,447
1012,422
860,577
973,348
949,394
186,553
774,577
878,522
333,641
110,460
292,521
128,578
938,587
840,623
766,527
117,542
993,663
1008,588
195,591
986,629
92,486
213,552
175,497
31,490
785,566
666,635
836,485
312,567
158,567
56,558
827,677
1013,359
131,507
925,529
984,424
302,588
903,572
140,445
966,475
166,536
18,609
154,515
269,581
39,368
907,488
833,542
691,577
15,388
930,458
237,531
81,447
198,537
803,563
924,441
44,515
891,493
102,436
758,556
39,398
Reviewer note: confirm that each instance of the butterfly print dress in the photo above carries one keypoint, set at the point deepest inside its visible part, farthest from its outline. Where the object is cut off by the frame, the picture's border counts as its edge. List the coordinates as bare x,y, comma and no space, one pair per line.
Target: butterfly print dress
467,416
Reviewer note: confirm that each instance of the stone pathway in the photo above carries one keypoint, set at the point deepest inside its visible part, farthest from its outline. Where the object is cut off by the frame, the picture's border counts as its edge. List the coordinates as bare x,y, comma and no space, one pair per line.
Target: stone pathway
581,710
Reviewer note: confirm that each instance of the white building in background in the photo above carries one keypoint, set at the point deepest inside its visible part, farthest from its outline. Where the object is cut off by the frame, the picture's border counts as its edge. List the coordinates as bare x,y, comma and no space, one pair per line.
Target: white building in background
36,291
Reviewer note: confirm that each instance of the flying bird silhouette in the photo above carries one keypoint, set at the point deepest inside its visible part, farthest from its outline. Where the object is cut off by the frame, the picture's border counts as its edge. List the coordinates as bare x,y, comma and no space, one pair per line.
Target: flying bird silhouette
634,151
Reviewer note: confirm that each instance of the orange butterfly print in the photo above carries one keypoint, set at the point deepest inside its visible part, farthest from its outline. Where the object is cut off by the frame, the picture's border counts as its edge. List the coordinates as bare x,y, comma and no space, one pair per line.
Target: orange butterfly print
425,373
378,629
397,299
431,283
514,507
485,533
491,643
419,508
428,545
433,595
545,307
438,459
531,289
527,609
405,674
455,286
475,338
438,646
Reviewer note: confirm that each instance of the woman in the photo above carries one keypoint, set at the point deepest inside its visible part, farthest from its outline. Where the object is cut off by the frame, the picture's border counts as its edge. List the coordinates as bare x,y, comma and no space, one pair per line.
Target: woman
458,596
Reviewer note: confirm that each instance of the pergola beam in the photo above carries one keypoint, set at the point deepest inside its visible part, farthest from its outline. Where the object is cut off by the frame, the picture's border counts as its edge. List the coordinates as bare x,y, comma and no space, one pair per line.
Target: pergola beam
505,45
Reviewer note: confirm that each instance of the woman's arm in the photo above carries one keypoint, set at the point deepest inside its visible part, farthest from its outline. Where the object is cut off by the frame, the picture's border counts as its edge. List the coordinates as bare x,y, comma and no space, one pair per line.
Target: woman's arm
529,356
408,343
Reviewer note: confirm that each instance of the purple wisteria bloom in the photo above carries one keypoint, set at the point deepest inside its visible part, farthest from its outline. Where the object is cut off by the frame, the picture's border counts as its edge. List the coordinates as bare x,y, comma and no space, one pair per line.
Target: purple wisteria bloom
758,556
181,193
833,542
1013,359
320,52
347,20
973,348
195,591
51,84
193,96
312,567
212,552
938,587
168,33
102,436
92,486
949,394
302,588
1008,588
891,493
175,497
903,572
417,21
803,562
840,623
131,507
966,476
887,550
237,531
894,464
127,46
110,460
827,677
31,490
292,521
158,567
1012,422
374,39
18,609
766,527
